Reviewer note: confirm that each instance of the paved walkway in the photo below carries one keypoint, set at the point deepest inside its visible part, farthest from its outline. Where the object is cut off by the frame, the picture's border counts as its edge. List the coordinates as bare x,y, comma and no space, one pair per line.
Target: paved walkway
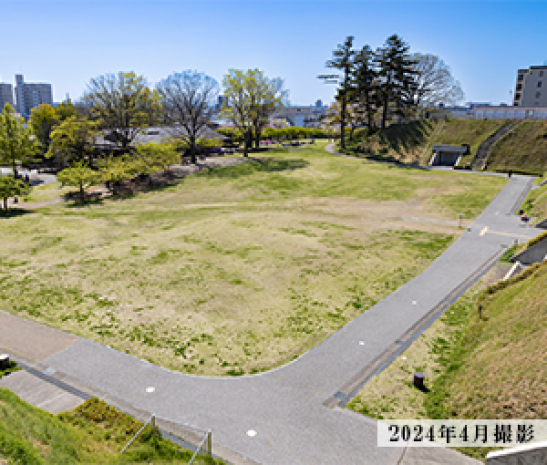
294,409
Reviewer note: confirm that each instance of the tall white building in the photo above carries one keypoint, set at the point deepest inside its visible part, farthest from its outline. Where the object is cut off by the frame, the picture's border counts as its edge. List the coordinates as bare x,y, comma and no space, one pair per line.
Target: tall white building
6,95
30,95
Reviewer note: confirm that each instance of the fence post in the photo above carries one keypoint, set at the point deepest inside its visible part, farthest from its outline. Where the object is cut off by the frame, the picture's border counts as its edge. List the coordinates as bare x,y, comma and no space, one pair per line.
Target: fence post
210,443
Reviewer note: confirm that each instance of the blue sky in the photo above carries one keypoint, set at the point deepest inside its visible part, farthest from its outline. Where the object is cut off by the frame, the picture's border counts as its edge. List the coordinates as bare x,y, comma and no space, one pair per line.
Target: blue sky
66,43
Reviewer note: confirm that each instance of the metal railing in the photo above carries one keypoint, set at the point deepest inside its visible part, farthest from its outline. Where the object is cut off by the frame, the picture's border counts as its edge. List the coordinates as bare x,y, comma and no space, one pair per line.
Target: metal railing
183,432
151,421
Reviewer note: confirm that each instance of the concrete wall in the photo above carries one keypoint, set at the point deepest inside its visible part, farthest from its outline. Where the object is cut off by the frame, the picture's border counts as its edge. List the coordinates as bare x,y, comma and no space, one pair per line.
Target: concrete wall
534,254
531,454
511,113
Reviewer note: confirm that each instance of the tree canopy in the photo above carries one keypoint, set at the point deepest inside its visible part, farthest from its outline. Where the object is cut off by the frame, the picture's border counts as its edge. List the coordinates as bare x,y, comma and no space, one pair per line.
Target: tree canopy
189,102
72,141
79,175
433,83
10,187
389,81
250,98
17,144
397,76
121,104
343,60
43,119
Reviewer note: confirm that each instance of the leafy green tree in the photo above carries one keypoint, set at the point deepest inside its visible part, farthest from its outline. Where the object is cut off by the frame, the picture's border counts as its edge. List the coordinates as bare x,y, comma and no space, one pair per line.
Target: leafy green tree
343,60
153,157
396,73
65,110
72,141
233,135
43,119
17,144
189,102
121,104
79,175
250,97
355,117
113,170
10,187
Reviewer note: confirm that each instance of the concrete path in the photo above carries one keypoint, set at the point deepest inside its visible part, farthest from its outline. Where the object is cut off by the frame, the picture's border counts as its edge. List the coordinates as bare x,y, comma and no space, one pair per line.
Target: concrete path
294,409
41,393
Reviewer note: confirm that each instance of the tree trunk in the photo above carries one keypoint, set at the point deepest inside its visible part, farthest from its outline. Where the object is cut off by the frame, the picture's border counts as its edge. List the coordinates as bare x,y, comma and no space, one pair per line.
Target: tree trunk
82,194
342,122
192,141
247,143
5,203
384,112
257,139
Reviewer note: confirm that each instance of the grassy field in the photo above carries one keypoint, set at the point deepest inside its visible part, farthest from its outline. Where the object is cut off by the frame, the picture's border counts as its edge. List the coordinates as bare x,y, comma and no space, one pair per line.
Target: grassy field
235,270
492,367
522,150
406,142
93,433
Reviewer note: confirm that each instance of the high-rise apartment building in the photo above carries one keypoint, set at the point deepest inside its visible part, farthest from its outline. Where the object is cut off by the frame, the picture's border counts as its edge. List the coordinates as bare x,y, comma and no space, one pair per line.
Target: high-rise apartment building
30,95
531,87
6,95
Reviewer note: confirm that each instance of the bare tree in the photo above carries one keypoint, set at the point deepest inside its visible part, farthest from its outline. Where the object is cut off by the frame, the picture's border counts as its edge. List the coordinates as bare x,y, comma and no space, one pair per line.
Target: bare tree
189,103
434,84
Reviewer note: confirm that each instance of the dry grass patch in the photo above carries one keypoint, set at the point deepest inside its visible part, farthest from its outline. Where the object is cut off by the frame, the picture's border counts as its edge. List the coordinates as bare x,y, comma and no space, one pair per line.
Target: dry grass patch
232,271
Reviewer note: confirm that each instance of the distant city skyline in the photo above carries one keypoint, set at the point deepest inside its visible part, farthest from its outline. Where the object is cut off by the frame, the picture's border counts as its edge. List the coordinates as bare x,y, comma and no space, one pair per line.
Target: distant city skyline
67,43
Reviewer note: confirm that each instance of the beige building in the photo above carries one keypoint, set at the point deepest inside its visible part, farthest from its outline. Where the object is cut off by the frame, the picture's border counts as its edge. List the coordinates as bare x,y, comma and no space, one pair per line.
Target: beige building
6,95
531,87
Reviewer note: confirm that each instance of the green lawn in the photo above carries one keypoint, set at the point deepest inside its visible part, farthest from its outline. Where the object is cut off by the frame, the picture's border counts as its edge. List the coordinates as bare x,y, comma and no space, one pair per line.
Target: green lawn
93,433
236,270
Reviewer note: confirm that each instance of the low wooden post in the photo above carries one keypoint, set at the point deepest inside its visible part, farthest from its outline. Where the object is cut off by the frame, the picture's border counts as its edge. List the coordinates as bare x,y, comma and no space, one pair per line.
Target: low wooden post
210,443
4,361
418,380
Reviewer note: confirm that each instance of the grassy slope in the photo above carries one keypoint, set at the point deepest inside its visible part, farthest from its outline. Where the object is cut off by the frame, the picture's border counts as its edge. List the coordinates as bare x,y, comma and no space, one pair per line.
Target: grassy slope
406,142
93,433
500,365
535,204
492,368
523,149
235,270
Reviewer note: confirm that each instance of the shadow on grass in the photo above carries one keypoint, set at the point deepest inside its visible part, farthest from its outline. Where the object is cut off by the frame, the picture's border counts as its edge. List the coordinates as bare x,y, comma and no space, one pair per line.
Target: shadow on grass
14,212
78,203
409,166
257,165
398,138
